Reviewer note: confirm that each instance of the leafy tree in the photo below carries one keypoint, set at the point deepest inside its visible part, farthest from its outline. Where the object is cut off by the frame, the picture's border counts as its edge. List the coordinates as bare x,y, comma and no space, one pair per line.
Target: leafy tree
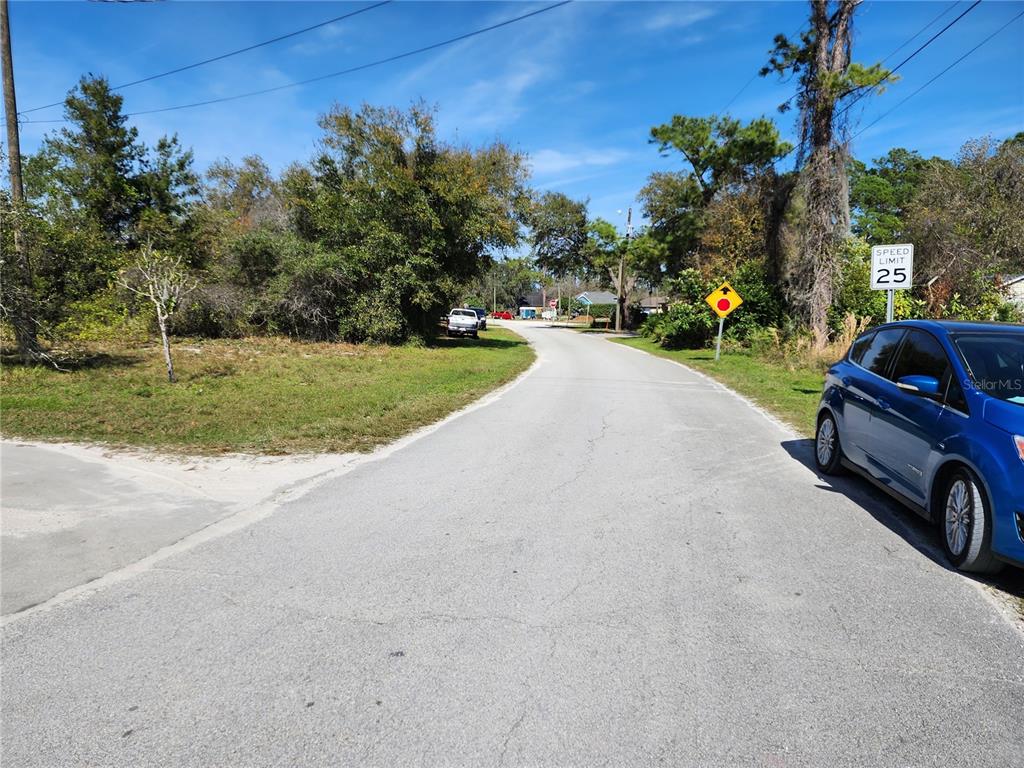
98,191
720,150
246,192
724,156
91,166
967,223
733,233
506,282
558,233
881,195
401,221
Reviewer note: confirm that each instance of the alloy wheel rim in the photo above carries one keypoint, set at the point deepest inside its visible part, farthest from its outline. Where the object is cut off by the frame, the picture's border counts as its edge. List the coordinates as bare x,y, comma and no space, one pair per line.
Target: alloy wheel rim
958,516
826,441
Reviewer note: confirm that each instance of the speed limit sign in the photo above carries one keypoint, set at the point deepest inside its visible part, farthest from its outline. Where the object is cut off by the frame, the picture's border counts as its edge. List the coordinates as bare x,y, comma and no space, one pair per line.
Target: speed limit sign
892,267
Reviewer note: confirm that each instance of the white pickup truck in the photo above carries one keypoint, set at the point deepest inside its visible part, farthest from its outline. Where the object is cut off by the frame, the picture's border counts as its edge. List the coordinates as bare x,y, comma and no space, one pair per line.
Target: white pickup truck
463,322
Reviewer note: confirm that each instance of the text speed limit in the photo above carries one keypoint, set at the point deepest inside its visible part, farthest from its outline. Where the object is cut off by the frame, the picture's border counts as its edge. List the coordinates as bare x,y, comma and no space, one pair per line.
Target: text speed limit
892,267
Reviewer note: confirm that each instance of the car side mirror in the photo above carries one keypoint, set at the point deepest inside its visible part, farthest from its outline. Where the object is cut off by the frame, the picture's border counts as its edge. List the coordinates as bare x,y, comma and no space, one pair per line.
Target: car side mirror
925,386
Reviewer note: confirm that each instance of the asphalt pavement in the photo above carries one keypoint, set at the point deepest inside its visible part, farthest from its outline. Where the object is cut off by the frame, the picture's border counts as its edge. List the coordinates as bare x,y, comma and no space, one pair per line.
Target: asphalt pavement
616,562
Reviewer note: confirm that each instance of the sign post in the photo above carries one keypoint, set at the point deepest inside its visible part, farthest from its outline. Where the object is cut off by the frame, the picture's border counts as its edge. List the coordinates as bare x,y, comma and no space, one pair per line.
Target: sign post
722,300
892,269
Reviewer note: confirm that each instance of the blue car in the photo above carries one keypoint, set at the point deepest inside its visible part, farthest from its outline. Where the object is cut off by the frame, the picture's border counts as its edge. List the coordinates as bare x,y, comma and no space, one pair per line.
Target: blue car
933,413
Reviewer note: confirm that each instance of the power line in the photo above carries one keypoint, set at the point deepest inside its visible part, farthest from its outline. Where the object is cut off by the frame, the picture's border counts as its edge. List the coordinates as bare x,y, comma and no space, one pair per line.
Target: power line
339,73
909,40
936,77
924,45
225,55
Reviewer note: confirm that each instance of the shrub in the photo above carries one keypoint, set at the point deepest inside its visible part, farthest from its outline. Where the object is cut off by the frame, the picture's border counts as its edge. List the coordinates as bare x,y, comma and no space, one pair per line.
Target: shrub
107,316
684,325
220,310
601,310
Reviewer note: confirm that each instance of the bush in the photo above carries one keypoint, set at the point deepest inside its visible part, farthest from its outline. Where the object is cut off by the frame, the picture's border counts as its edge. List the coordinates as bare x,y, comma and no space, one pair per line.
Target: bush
763,305
684,325
220,310
107,316
600,310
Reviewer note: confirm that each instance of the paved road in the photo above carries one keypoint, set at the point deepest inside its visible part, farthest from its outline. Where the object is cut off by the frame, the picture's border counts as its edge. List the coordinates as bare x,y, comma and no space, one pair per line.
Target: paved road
615,563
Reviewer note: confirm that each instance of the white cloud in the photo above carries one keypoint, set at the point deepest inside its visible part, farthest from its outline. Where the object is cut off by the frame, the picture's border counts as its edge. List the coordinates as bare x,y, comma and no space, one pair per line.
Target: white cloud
679,16
550,161
333,37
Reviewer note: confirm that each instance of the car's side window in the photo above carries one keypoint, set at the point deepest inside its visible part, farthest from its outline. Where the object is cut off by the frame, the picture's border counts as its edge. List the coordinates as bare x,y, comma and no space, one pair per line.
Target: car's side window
921,355
880,351
859,347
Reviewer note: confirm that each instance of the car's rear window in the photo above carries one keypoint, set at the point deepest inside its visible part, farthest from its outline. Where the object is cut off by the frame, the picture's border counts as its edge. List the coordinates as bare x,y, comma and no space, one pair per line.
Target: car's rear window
860,346
883,346
995,362
464,312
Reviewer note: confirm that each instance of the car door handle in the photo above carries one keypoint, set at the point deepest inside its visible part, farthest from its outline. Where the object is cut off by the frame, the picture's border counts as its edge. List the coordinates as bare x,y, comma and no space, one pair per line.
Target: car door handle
883,404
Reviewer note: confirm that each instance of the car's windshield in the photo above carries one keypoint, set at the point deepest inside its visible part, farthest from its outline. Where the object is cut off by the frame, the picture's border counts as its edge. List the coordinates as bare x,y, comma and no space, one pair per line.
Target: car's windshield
995,362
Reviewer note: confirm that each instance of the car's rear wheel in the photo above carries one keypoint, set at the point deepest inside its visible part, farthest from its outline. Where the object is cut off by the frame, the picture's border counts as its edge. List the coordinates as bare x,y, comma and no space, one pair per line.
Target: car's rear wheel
965,523
828,454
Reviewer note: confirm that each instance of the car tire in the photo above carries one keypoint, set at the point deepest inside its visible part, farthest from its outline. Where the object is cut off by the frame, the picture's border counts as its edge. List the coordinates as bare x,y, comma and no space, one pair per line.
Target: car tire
965,524
828,452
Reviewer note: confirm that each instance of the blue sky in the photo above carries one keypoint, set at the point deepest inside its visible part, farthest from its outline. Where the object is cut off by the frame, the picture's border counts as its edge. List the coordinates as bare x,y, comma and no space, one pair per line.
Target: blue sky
577,88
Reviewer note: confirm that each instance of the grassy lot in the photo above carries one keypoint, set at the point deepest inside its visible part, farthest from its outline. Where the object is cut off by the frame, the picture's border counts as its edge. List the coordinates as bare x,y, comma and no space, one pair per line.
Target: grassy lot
257,395
790,392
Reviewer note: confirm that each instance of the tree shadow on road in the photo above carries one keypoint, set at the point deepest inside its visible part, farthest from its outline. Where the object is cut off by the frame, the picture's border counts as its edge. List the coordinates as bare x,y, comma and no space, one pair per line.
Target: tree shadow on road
911,527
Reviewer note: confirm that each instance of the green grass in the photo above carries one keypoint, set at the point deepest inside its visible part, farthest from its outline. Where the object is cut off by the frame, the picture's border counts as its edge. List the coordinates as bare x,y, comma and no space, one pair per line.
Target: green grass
789,392
257,395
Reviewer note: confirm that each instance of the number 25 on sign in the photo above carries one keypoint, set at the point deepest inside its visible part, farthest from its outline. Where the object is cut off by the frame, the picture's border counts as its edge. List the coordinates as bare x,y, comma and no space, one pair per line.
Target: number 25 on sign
722,300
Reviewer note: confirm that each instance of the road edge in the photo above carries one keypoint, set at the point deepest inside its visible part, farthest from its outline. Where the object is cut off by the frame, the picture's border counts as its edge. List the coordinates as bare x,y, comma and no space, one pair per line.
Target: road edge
1008,606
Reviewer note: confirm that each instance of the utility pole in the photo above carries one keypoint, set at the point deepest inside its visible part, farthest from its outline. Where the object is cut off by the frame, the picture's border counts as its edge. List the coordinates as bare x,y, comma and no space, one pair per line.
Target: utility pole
621,298
21,314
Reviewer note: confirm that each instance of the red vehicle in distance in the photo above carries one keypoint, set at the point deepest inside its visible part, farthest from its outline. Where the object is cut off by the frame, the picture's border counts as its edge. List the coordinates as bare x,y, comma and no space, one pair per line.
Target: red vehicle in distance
502,315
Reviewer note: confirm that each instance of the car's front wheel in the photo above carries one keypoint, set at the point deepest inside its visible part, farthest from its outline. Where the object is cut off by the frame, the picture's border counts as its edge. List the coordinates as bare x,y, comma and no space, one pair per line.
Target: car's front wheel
828,455
965,524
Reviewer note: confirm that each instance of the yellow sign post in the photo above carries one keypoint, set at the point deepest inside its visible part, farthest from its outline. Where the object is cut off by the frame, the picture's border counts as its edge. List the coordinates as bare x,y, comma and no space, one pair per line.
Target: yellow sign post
722,300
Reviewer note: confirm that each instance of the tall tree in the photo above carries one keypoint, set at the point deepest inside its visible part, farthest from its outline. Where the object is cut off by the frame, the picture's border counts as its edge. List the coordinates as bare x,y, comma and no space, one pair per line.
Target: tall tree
829,80
723,154
91,165
100,192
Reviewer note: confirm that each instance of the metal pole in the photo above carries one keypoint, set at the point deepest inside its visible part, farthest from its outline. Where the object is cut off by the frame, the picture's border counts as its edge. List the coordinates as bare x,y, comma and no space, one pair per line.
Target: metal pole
718,345
889,296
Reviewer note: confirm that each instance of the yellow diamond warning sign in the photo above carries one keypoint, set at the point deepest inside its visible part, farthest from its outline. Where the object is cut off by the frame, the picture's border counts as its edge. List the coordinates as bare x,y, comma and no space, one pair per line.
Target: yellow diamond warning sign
724,300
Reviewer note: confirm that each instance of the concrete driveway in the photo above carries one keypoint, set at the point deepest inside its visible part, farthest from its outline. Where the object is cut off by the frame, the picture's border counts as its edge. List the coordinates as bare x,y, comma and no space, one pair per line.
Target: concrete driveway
617,562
